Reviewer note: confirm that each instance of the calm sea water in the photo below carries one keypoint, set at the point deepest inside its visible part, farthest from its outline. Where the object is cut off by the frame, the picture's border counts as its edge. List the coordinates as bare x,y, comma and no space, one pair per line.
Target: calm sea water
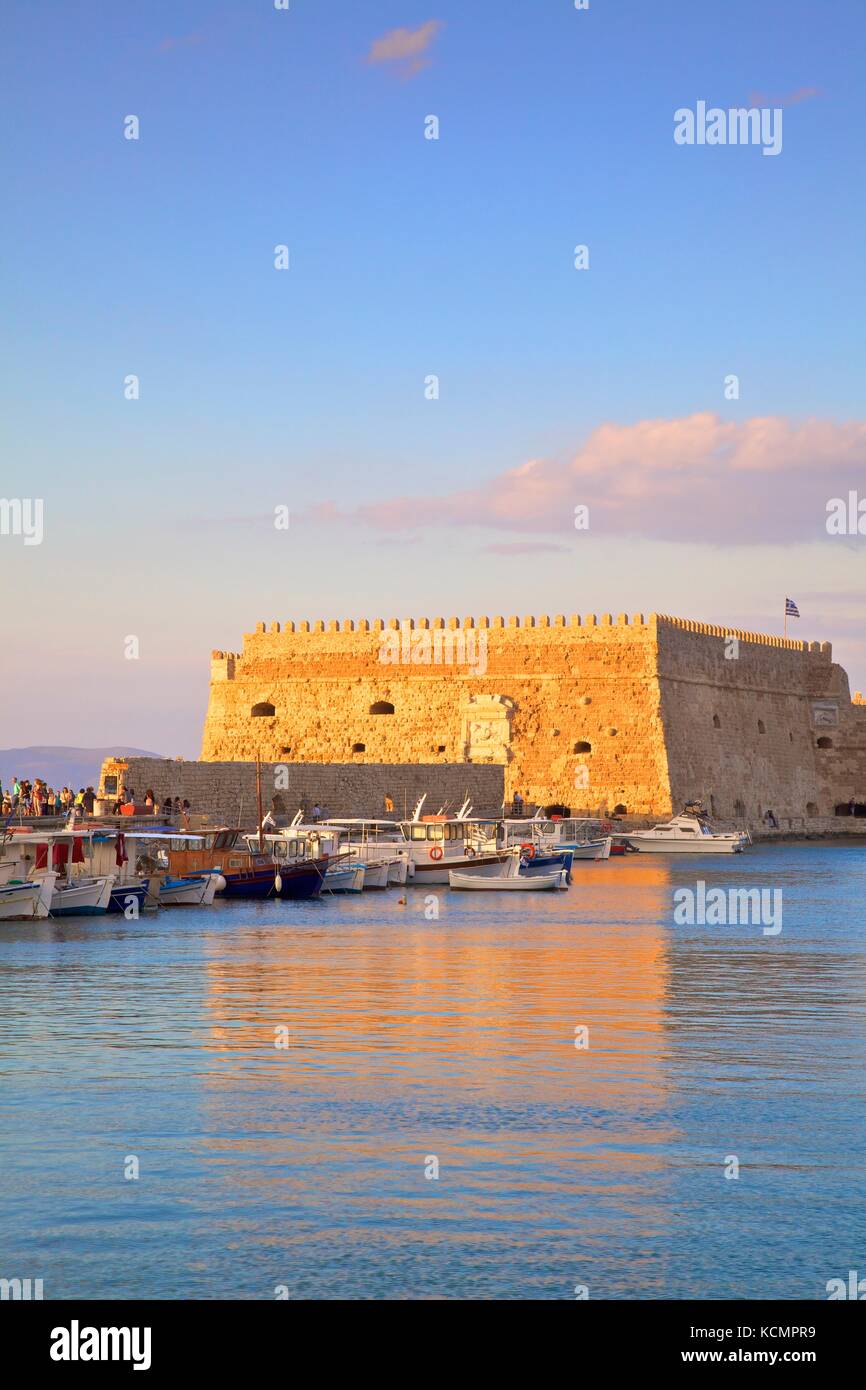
411,1040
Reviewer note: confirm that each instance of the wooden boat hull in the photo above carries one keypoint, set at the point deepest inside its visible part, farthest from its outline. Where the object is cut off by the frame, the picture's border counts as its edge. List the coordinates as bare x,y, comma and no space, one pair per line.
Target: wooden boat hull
532,883
302,880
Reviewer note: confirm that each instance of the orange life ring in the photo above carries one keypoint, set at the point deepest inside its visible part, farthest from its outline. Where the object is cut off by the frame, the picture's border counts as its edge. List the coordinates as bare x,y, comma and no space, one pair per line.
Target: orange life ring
528,850
436,852
470,852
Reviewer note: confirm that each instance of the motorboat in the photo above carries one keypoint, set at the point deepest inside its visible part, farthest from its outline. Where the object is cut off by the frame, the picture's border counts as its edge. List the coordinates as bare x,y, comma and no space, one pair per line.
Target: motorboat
688,833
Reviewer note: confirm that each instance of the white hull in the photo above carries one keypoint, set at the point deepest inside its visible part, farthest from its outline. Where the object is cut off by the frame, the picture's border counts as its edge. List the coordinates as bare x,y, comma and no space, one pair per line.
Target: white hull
26,901
526,884
481,866
375,875
705,844
85,896
190,892
345,879
398,871
587,849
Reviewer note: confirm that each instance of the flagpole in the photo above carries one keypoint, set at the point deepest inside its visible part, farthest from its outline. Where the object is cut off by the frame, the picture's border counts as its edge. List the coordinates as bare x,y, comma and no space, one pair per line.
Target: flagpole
786,618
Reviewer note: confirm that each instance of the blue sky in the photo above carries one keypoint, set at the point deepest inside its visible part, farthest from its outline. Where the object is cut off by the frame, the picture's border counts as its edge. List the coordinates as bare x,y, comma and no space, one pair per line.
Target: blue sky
409,257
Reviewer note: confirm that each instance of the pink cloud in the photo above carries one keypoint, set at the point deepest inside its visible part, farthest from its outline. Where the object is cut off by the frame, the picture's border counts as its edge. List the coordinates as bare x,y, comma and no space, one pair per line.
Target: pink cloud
405,47
697,478
792,99
183,41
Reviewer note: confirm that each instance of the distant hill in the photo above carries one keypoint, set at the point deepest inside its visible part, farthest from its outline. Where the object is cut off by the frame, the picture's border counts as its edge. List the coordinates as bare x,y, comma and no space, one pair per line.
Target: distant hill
61,767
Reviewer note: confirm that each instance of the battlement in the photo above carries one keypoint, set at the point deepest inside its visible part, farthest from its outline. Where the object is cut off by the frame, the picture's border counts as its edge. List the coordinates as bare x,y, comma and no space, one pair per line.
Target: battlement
575,622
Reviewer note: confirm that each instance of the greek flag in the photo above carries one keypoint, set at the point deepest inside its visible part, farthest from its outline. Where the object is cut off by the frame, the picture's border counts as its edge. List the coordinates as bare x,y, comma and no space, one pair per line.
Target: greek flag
791,609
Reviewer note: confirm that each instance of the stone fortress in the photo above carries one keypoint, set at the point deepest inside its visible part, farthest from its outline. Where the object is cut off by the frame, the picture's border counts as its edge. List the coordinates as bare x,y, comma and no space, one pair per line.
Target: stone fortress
627,716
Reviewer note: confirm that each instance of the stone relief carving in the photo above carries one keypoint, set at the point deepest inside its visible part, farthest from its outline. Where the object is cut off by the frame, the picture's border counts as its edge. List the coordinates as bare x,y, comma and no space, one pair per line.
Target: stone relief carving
487,729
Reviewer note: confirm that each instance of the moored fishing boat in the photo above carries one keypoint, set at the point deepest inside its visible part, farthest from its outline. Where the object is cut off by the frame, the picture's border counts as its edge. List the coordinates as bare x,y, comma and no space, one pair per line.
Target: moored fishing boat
195,891
23,899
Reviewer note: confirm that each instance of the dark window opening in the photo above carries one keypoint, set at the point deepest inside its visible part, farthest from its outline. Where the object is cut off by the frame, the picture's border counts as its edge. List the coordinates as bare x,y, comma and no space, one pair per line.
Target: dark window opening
263,711
717,723
825,742
761,728
583,747
359,747
382,707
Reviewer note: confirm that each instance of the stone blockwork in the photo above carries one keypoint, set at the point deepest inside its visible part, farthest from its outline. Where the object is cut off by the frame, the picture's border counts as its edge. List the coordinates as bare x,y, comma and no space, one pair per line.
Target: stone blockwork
225,793
594,712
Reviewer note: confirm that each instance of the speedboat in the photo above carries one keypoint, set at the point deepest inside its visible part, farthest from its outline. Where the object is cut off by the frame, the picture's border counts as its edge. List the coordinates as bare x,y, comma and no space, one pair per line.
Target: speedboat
688,833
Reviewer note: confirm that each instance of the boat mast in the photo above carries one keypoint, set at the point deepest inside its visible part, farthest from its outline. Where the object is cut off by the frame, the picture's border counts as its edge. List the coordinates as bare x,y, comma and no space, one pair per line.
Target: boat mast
259,795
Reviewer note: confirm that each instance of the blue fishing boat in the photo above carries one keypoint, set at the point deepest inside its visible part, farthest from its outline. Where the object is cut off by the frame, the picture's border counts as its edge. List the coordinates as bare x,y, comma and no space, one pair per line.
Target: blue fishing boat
123,894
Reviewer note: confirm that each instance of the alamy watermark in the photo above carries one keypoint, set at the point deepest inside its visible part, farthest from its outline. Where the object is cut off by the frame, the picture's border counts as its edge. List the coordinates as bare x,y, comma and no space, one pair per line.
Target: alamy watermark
740,125
22,516
437,646
729,907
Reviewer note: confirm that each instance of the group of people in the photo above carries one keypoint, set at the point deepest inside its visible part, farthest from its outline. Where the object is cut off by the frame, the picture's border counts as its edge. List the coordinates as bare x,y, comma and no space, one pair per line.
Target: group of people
36,798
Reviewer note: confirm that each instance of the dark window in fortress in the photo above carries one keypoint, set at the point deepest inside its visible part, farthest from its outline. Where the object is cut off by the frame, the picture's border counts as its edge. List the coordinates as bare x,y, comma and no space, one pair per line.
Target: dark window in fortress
825,742
619,810
382,707
761,727
717,723
583,747
359,747
262,711
811,808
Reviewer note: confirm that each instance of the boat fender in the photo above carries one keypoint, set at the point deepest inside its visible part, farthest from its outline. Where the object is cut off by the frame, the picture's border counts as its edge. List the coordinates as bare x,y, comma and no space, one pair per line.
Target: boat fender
278,884
221,884
470,852
528,850
436,852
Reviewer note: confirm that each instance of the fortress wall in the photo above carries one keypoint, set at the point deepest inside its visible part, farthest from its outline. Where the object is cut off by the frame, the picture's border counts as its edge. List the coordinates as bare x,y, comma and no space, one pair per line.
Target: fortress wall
523,693
518,692
226,791
769,697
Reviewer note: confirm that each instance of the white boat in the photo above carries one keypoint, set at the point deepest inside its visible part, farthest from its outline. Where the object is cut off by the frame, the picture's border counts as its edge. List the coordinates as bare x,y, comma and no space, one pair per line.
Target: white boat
194,891
375,871
27,898
689,833
344,878
548,834
499,884
81,897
